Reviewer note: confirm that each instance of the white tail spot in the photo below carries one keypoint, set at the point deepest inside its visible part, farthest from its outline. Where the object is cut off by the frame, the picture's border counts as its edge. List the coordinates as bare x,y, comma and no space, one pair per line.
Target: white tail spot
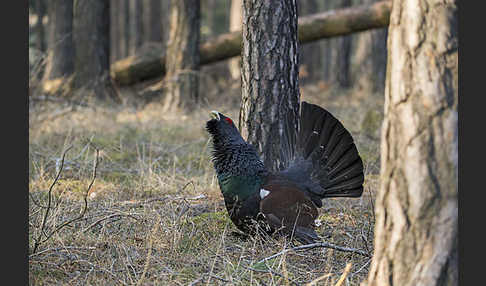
264,193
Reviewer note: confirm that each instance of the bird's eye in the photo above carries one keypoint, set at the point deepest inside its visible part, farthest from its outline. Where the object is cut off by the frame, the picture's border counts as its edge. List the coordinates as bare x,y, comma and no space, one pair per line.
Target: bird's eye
228,120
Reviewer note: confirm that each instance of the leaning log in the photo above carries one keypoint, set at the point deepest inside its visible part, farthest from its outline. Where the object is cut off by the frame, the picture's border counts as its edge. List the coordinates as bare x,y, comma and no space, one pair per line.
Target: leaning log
151,63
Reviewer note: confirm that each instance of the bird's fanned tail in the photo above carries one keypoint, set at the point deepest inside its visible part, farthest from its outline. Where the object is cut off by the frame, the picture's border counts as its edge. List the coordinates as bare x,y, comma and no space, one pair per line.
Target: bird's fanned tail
326,154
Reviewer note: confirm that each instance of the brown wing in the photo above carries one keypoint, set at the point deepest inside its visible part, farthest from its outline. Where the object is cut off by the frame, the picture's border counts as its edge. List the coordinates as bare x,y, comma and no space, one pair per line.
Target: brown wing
286,206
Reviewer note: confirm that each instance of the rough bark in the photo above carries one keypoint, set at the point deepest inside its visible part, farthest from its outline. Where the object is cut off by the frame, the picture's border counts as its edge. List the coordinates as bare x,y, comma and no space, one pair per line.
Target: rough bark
183,59
270,87
311,28
91,38
60,53
236,15
416,231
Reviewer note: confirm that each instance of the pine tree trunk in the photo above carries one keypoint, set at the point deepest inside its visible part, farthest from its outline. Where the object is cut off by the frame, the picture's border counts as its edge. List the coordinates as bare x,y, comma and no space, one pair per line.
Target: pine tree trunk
40,10
115,51
236,15
126,27
60,54
91,38
270,86
182,60
155,22
136,25
310,54
343,56
416,231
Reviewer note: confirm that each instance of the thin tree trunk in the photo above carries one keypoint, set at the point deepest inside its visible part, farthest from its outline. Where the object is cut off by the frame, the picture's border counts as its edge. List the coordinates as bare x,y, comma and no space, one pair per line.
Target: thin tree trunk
236,15
137,29
378,59
40,9
310,54
416,230
183,59
91,38
343,56
155,21
126,27
60,54
115,52
270,85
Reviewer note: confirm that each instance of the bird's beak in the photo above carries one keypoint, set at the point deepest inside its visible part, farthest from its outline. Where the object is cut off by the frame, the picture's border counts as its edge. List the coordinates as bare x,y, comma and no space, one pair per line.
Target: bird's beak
214,114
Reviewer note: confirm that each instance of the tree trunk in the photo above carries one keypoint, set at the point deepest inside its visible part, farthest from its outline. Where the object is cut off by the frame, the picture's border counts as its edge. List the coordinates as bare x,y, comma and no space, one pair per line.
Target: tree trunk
155,21
378,59
91,38
270,69
343,56
60,54
236,15
136,24
369,59
310,54
417,206
311,28
40,10
183,59
115,32
126,27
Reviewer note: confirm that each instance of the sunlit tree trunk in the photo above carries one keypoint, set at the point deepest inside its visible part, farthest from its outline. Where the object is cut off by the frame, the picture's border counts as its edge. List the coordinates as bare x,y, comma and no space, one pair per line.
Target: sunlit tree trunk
236,15
416,231
182,61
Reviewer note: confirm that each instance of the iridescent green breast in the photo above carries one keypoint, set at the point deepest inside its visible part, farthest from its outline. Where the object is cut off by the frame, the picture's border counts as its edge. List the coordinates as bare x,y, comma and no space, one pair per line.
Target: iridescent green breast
238,187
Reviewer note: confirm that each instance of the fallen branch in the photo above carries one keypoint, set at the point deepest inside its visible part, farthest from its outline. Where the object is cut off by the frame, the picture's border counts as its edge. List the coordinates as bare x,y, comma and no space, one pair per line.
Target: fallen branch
60,249
151,63
315,245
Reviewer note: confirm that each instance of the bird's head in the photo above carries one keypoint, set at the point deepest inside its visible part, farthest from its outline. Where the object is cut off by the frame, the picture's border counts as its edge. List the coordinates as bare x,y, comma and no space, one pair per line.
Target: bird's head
223,130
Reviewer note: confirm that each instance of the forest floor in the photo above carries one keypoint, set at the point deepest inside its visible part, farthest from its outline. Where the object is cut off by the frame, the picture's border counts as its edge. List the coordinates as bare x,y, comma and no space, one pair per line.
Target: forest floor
154,214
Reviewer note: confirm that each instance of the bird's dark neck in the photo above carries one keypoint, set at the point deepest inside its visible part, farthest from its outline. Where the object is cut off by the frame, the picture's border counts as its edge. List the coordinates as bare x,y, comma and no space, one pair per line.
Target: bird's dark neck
239,169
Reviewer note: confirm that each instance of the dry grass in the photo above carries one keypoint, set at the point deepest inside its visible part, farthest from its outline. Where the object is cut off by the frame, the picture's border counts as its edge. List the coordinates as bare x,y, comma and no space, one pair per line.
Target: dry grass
155,214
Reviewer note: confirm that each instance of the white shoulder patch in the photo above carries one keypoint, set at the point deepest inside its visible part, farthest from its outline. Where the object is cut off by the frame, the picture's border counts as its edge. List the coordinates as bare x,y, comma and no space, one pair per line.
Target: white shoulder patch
264,193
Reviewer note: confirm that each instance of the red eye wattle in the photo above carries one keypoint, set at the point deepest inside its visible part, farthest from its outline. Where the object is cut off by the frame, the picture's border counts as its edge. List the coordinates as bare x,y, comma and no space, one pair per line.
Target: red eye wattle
229,120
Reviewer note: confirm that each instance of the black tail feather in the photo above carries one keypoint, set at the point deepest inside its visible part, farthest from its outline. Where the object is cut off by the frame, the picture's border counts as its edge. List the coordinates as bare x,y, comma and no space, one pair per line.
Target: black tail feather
336,165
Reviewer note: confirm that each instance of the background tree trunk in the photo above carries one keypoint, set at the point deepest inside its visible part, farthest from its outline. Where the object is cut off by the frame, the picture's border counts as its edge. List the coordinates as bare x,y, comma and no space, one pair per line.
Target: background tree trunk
310,54
115,32
126,27
369,59
137,30
343,55
236,15
154,20
416,209
60,54
182,61
40,10
91,38
270,85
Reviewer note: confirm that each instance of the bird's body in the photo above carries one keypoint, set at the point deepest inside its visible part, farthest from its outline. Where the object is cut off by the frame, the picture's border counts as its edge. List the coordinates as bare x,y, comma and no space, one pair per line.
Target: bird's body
325,163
